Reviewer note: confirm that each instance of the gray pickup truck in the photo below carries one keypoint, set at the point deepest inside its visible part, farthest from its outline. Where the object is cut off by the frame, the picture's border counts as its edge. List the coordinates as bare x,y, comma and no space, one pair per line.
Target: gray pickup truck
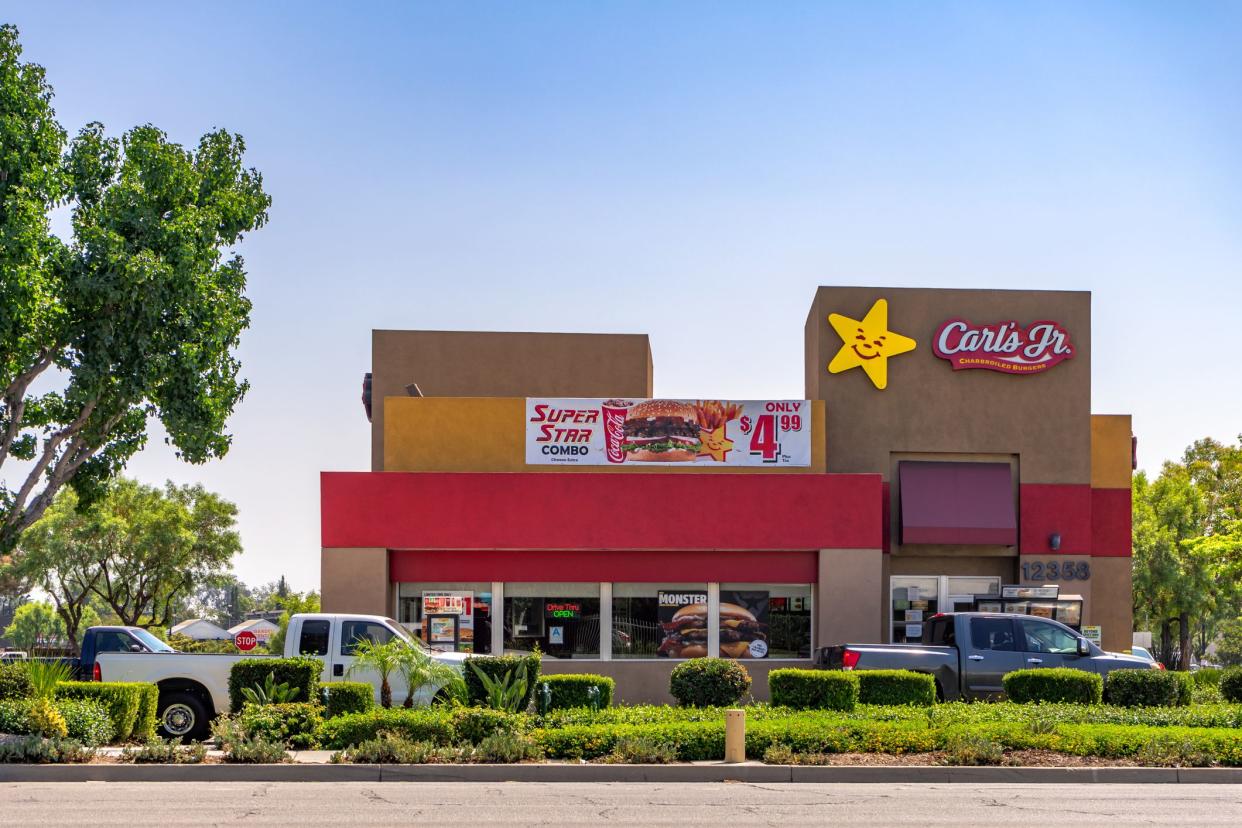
969,652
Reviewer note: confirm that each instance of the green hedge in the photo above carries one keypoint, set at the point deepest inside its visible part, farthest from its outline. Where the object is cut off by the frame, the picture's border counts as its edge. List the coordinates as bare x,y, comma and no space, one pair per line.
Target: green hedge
572,690
497,667
293,724
1141,688
1185,688
348,697
708,682
813,689
14,681
1053,684
896,687
302,673
88,721
419,725
1231,685
130,704
474,724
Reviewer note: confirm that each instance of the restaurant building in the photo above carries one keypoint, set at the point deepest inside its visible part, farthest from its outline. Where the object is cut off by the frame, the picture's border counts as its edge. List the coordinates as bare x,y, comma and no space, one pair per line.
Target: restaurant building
524,489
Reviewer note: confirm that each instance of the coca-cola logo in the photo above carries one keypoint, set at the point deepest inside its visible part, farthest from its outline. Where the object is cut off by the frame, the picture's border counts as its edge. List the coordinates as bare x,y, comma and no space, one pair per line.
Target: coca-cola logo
1003,346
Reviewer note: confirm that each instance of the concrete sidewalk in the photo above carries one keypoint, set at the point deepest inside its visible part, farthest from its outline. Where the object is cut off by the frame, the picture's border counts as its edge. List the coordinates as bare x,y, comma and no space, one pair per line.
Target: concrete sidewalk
313,766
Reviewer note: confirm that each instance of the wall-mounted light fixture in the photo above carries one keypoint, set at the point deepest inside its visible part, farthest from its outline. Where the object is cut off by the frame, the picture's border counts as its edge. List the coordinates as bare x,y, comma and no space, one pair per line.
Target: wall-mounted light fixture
1054,541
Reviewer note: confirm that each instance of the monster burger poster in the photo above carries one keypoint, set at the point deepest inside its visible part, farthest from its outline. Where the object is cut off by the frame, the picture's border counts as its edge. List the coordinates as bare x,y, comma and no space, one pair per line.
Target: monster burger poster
743,623
644,432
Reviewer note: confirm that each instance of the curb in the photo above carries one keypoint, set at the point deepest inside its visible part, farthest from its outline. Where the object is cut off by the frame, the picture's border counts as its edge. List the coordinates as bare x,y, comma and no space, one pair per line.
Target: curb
549,773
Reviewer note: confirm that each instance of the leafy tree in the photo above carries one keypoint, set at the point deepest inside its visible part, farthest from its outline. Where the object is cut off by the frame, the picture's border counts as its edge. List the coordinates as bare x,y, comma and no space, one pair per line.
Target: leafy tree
136,316
138,549
35,624
384,659
54,556
1229,645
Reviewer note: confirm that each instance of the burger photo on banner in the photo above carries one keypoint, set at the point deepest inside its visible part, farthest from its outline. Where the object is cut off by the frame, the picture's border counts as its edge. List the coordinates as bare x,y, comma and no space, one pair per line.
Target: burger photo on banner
743,624
683,617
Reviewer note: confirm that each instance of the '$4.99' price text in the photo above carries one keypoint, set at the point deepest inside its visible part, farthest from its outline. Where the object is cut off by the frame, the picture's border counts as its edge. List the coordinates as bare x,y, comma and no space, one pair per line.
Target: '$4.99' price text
765,431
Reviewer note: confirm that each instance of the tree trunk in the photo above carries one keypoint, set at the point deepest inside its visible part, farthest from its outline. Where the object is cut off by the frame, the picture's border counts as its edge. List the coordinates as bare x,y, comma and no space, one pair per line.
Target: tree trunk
1166,644
385,694
1183,621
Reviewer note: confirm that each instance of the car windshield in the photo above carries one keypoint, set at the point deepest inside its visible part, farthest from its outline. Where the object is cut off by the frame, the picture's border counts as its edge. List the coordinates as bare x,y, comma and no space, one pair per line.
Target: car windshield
152,643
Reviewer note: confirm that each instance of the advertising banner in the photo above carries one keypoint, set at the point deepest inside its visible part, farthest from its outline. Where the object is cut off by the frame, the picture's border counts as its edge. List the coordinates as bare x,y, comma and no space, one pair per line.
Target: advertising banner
683,617
708,433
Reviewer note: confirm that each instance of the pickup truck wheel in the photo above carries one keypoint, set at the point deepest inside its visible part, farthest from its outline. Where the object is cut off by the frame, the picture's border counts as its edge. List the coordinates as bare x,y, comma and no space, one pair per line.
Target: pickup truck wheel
182,716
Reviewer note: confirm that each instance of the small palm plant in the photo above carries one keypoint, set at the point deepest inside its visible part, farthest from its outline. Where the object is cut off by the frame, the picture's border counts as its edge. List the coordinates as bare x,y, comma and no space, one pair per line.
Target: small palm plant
45,719
420,669
505,693
382,658
270,692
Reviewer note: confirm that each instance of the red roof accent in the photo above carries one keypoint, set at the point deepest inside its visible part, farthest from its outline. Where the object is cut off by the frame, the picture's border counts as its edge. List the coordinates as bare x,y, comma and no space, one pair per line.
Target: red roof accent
434,510
957,503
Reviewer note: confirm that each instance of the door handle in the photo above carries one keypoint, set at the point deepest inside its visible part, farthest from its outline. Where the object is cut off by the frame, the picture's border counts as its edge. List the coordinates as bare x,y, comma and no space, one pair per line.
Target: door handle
975,657
1034,661
338,669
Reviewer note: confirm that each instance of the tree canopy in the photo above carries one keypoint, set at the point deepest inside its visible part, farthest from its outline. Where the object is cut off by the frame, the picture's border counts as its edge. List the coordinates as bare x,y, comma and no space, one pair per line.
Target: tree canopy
137,315
139,550
1187,526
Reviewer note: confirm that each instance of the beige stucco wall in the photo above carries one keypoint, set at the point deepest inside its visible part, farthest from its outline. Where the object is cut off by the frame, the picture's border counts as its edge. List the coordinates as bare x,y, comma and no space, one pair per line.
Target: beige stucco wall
1112,601
646,681
355,580
849,582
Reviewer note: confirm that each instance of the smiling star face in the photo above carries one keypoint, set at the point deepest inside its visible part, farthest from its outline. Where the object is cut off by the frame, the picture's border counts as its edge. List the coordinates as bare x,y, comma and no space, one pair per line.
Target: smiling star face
868,343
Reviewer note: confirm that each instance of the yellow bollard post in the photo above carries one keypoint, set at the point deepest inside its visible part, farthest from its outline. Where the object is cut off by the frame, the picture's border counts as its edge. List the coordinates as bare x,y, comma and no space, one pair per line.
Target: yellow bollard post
735,736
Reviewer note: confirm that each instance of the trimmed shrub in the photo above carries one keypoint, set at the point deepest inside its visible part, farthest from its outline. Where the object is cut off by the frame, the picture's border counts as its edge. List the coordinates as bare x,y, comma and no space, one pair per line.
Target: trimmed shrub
1053,684
506,746
1185,689
896,687
148,705
37,750
574,690
497,667
425,725
86,721
122,698
348,697
292,724
1231,685
14,681
813,689
1206,677
302,673
474,724
708,682
1141,688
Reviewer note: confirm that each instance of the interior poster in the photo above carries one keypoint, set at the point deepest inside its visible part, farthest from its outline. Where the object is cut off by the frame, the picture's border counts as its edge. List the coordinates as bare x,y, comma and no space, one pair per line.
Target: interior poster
743,623
705,433
683,618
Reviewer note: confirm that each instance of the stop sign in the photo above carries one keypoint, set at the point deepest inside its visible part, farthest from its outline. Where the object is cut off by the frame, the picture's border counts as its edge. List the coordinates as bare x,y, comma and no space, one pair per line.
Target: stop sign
246,640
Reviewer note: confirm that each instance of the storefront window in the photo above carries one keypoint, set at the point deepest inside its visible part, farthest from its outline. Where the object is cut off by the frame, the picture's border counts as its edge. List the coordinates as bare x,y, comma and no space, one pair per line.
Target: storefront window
765,620
913,599
448,616
659,620
563,619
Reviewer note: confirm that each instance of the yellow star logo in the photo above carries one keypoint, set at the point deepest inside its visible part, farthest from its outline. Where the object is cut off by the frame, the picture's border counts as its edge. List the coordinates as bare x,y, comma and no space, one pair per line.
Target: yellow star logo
715,444
868,343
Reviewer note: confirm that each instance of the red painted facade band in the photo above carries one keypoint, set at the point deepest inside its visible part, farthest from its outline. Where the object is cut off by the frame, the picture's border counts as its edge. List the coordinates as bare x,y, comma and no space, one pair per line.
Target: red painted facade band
886,505
433,510
646,566
1111,516
1055,509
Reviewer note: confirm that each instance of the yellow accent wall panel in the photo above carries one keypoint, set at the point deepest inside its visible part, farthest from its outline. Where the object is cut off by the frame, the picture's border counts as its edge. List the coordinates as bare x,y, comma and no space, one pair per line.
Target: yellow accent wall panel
1110,451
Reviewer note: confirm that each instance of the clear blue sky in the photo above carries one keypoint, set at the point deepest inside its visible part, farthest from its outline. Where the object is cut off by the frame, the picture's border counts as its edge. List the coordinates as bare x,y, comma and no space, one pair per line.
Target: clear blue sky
688,170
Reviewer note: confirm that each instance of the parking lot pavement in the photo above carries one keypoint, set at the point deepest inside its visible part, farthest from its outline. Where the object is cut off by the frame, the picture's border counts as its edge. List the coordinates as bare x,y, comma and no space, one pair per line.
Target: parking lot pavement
572,804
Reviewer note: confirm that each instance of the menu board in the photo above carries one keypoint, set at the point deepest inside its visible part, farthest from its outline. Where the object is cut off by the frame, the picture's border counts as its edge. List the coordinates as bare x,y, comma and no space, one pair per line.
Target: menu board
647,432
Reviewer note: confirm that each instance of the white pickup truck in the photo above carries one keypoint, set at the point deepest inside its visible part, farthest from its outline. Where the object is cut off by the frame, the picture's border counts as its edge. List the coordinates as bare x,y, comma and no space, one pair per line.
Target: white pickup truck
194,687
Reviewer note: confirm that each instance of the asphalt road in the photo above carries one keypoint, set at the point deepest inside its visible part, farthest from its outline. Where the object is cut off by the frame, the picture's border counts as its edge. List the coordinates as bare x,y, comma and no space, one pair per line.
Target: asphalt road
572,804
